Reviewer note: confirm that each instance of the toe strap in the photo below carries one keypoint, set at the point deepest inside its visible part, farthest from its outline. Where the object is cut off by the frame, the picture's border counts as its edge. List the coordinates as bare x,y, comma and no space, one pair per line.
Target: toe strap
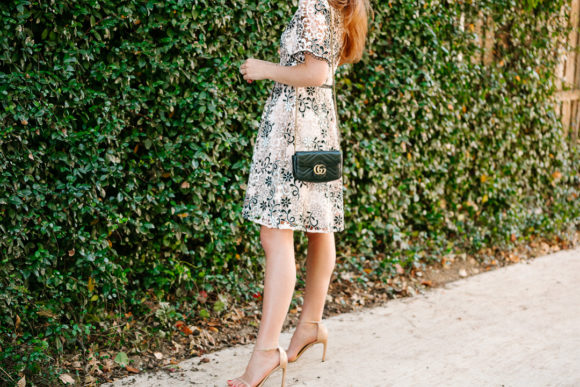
243,381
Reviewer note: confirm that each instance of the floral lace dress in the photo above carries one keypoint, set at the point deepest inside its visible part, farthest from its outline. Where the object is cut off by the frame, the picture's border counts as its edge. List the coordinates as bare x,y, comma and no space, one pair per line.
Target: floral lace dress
273,196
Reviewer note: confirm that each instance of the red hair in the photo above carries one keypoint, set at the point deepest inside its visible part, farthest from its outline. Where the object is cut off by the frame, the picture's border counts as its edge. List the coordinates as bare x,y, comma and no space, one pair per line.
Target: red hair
355,15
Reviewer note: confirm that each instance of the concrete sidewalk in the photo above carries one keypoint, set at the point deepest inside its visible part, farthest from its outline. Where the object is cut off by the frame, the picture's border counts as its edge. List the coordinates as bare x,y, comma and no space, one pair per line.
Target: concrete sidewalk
514,326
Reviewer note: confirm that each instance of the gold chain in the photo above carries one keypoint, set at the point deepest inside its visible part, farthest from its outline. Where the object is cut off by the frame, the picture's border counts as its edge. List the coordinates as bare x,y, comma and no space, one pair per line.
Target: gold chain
333,88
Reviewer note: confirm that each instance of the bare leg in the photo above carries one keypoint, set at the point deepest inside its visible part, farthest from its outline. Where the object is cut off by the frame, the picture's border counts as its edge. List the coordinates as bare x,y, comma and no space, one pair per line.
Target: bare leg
320,261
279,282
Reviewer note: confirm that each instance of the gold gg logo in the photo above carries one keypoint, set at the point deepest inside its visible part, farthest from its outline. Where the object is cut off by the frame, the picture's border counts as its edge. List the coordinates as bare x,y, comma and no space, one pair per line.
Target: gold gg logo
319,169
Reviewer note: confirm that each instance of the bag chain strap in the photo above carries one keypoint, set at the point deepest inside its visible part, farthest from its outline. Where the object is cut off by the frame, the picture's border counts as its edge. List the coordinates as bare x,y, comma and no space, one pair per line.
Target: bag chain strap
333,88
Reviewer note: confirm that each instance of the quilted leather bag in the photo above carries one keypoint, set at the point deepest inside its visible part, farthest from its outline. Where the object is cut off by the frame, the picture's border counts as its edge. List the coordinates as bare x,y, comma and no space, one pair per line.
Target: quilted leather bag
318,166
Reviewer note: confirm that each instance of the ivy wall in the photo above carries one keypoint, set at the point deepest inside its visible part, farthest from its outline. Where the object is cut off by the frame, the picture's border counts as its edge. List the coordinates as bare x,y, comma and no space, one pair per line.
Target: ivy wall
126,136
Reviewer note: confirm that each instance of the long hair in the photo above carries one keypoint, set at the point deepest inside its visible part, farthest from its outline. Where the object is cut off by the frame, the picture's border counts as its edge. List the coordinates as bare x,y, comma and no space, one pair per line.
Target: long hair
355,14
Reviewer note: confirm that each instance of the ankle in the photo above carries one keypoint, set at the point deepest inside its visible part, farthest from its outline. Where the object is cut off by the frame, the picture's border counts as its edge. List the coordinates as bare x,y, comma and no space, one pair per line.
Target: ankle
305,331
309,321
265,347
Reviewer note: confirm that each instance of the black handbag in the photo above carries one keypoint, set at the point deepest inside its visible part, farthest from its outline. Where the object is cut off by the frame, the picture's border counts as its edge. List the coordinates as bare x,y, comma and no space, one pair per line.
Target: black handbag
318,166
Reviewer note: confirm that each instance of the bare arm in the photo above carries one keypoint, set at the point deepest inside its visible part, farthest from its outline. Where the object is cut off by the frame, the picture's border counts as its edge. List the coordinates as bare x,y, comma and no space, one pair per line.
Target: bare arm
312,72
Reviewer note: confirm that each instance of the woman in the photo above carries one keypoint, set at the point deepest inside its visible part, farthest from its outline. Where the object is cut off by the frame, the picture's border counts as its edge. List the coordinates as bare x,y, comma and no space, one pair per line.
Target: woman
281,204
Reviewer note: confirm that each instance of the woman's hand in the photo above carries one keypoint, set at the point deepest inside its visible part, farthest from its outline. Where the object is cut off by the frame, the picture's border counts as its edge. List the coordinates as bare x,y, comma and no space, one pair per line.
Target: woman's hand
254,69
313,72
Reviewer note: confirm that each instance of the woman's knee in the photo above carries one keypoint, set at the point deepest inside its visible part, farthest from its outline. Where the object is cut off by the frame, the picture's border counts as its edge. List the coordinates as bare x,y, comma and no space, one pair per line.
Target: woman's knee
275,238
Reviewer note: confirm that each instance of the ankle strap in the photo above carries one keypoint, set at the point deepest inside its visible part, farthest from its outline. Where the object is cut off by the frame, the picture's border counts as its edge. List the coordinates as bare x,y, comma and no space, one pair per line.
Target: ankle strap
314,322
266,349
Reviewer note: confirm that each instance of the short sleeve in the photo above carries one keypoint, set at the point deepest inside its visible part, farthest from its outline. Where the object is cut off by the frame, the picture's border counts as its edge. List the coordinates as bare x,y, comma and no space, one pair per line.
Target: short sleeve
313,29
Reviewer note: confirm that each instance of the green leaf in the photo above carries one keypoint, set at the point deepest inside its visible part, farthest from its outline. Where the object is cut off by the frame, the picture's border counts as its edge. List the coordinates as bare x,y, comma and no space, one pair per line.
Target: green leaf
122,359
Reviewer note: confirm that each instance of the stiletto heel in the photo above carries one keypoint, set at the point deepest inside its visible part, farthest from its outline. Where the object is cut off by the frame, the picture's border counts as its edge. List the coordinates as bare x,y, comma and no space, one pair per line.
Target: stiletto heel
282,365
284,376
321,337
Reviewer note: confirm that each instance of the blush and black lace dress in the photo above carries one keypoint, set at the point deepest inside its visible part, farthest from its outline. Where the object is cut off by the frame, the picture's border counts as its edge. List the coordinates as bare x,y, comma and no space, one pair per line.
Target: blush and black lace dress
273,196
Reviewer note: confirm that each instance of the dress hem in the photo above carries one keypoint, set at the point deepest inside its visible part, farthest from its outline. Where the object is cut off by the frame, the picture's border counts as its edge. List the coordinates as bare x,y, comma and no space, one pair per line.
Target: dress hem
288,227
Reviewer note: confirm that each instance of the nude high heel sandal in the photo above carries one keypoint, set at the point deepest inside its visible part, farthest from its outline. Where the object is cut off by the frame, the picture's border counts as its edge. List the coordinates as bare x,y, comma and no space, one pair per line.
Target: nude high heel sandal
321,337
283,365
